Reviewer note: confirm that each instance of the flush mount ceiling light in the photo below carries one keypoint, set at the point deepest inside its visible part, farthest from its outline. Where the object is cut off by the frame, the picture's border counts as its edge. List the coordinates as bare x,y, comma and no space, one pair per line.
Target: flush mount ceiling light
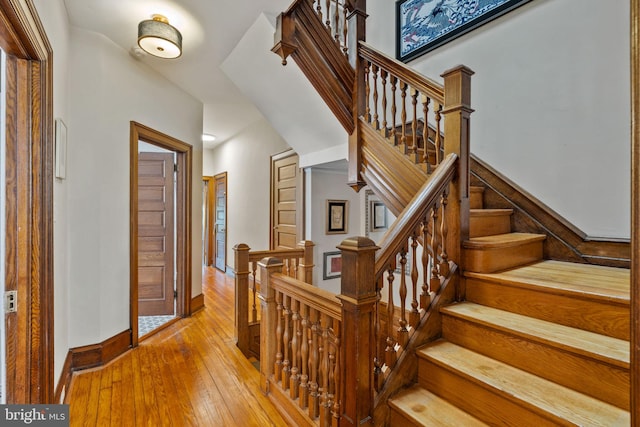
158,38
207,137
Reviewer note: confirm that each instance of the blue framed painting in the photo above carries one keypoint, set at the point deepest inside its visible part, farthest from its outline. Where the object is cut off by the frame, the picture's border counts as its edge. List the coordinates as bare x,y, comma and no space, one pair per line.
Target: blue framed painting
423,25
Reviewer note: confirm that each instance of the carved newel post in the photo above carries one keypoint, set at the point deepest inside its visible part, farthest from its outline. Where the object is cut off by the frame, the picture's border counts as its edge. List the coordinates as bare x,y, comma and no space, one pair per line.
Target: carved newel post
268,323
358,296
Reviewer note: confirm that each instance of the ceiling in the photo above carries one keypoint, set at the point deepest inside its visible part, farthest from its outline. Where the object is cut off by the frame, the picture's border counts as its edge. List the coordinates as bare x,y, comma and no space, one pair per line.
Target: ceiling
210,30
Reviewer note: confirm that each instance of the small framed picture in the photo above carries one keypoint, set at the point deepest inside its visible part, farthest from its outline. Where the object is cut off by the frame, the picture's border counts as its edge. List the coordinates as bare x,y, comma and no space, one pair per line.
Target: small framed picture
378,215
331,265
337,215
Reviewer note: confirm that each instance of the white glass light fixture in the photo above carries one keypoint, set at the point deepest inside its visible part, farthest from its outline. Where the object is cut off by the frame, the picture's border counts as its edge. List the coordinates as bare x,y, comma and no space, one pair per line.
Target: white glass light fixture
158,38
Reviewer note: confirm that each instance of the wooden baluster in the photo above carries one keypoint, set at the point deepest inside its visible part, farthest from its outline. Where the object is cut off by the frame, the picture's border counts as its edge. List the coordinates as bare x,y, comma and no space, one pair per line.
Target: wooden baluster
278,364
376,123
314,397
331,373
304,358
367,90
403,115
286,340
325,415
390,351
414,317
296,334
336,410
378,361
336,18
285,266
319,9
345,31
435,275
403,333
425,298
425,131
444,259
394,81
254,290
438,118
383,83
414,122
328,12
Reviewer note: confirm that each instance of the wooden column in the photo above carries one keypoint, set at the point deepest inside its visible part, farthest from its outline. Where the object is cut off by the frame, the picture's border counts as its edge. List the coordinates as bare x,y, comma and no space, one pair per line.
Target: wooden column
457,111
359,297
306,266
268,322
241,319
357,32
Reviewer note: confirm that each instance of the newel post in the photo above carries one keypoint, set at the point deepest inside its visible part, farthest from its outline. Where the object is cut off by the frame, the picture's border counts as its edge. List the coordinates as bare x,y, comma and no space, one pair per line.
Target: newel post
268,321
457,113
306,266
359,297
357,32
241,321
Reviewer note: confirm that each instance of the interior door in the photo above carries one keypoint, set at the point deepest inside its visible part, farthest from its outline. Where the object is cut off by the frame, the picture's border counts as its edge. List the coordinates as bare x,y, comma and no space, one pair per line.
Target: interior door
156,248
286,201
208,241
221,220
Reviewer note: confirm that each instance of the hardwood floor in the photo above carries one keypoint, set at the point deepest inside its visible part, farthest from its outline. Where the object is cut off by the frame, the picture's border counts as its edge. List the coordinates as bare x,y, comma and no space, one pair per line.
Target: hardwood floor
189,374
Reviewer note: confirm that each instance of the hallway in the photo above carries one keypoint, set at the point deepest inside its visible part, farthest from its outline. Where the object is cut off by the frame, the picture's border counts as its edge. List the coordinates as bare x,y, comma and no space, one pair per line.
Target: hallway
188,374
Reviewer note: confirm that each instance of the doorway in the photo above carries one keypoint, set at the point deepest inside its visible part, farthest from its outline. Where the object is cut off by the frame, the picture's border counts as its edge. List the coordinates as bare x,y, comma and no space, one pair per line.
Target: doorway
160,230
220,220
287,196
207,220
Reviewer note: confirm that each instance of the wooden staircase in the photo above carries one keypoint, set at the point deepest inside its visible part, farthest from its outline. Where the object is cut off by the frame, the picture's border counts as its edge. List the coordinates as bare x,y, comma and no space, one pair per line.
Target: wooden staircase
534,343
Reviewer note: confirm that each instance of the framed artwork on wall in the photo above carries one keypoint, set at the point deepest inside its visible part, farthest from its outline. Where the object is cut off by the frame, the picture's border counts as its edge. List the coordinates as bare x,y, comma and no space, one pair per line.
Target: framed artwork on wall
337,216
331,265
423,25
378,215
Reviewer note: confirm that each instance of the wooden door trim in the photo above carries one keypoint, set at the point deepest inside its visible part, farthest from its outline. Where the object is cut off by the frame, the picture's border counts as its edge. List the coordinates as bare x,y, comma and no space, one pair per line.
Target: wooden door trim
29,163
210,195
184,159
215,181
299,200
635,211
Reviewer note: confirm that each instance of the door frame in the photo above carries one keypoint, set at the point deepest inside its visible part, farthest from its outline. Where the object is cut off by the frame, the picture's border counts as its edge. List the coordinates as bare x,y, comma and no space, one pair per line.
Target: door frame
184,159
300,204
29,206
209,218
214,203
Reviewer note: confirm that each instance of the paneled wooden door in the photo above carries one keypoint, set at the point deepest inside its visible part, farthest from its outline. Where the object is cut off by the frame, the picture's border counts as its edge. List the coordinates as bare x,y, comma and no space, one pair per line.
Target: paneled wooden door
287,197
156,227
220,190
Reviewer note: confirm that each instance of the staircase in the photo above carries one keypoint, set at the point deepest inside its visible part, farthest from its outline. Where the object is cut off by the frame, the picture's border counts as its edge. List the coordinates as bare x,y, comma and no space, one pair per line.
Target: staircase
534,343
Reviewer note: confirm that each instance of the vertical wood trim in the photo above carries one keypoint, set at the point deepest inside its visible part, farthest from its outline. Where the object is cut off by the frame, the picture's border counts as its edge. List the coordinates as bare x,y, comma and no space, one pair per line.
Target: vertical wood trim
635,212
29,202
139,132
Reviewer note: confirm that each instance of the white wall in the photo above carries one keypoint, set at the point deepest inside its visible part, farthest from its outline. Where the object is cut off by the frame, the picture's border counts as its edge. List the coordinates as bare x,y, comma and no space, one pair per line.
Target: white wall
110,89
551,94
246,159
324,184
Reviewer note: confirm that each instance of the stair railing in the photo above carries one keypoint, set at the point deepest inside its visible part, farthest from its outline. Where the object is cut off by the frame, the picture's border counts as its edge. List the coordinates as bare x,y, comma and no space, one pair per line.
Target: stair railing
297,263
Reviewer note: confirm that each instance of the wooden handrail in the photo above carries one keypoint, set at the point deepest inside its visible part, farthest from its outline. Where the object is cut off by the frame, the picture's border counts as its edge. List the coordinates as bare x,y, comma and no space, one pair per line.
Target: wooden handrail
396,236
316,298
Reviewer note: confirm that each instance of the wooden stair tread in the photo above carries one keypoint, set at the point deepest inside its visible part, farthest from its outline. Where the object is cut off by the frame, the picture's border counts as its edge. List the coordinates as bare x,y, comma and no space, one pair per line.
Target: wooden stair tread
425,408
490,212
502,240
606,349
539,395
584,280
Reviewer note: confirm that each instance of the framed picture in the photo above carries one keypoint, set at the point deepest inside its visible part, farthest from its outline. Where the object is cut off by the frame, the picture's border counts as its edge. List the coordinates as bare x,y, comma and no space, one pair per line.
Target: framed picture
337,215
61,149
331,265
378,215
423,25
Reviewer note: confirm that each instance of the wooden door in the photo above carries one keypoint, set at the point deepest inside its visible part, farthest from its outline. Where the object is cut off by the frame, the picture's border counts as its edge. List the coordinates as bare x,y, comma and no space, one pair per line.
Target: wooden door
208,240
221,221
286,201
156,248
